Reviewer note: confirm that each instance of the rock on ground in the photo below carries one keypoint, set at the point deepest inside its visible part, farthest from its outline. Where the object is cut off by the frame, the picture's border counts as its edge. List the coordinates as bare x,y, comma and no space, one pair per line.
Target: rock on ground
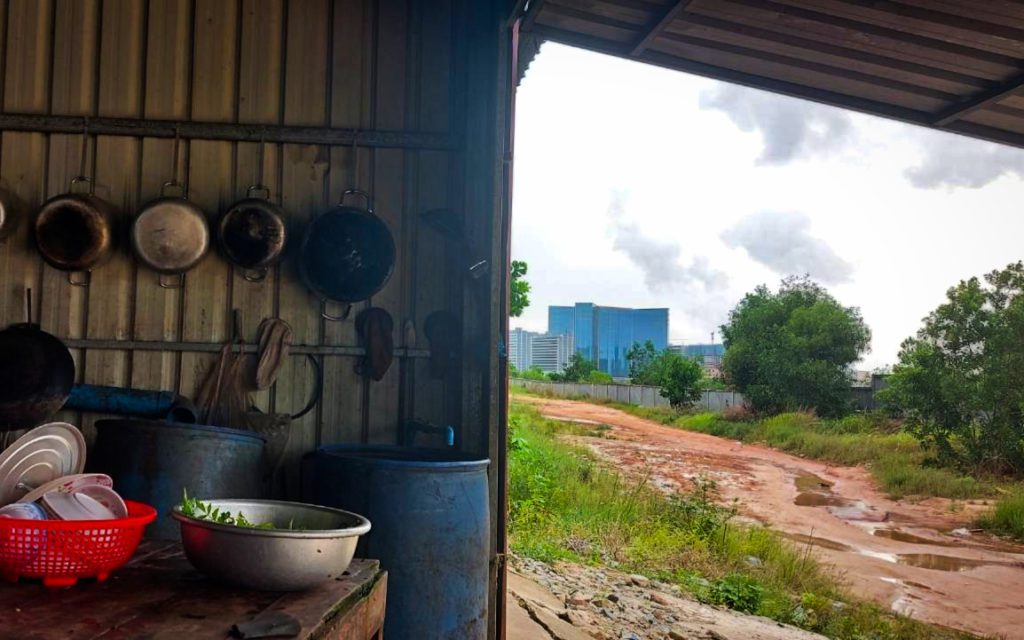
573,602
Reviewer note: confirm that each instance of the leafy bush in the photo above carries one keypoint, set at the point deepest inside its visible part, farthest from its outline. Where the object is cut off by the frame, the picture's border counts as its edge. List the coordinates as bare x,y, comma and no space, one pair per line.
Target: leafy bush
958,380
792,349
1007,517
735,591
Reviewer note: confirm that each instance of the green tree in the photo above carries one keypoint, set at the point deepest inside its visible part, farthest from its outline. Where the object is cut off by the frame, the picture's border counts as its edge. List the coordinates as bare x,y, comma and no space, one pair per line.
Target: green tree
642,359
519,289
679,379
792,349
534,373
960,380
599,377
578,369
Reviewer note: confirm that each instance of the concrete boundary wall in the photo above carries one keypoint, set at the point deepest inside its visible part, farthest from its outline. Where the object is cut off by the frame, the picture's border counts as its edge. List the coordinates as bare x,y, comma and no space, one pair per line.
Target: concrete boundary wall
640,395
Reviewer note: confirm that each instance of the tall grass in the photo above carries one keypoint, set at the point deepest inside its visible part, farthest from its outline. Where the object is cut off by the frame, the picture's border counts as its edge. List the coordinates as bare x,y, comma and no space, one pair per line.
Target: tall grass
895,458
1008,516
564,505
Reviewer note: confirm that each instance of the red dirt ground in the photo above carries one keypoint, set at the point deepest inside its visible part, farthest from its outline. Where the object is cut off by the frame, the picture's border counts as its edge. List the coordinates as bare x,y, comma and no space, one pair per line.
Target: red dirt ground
900,554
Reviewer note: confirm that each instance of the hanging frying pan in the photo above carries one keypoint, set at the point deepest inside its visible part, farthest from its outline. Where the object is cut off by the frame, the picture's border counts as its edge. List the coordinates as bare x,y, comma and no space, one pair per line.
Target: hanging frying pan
252,233
36,374
10,213
170,235
347,255
75,231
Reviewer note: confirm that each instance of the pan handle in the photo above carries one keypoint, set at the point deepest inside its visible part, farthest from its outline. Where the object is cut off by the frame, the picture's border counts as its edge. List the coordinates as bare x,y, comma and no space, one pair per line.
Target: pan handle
258,188
166,284
173,184
326,316
359,192
255,275
80,179
84,282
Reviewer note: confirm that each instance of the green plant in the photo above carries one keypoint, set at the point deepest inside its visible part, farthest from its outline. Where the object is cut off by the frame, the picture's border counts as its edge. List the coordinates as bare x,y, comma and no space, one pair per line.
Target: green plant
958,381
680,380
195,508
792,349
735,591
519,289
1008,516
578,369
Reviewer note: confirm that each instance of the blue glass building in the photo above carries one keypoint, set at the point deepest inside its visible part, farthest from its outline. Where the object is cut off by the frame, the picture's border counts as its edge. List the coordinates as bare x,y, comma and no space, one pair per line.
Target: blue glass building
604,334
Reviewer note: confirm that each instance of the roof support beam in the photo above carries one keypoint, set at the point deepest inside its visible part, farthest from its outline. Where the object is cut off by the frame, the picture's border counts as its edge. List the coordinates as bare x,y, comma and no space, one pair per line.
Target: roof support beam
532,10
784,87
980,101
658,27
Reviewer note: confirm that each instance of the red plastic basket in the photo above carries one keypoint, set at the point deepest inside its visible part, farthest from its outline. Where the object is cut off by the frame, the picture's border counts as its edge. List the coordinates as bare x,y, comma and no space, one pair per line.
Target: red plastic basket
60,552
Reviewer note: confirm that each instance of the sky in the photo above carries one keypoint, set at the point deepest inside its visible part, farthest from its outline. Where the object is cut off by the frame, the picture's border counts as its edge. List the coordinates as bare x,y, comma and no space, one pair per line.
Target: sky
637,186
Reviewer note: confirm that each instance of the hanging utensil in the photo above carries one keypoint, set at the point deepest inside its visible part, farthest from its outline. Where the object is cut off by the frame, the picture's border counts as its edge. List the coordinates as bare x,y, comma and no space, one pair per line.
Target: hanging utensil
252,233
36,374
375,328
170,234
347,254
74,232
11,209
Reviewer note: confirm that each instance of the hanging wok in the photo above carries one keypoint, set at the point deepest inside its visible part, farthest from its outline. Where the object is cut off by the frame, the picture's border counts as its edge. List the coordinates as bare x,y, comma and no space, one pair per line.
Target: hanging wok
347,255
36,375
252,233
74,232
170,235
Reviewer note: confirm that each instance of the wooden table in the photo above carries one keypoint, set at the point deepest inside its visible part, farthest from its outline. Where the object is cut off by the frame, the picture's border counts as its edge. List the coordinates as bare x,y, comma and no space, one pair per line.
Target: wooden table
159,596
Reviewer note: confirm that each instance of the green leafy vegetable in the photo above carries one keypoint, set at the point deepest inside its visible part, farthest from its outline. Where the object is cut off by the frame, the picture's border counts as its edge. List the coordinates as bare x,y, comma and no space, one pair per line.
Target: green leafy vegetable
195,508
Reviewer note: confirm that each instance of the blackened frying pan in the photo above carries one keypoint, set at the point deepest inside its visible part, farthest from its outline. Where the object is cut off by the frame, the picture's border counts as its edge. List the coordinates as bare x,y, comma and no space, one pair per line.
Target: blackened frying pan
347,255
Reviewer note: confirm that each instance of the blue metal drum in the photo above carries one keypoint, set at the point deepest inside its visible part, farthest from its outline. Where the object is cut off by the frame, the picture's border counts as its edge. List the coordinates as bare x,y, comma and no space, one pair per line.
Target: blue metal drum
431,531
152,461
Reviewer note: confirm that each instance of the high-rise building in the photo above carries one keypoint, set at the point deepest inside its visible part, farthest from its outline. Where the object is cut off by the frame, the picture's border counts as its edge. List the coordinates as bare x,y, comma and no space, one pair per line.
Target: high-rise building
604,334
520,344
551,353
708,354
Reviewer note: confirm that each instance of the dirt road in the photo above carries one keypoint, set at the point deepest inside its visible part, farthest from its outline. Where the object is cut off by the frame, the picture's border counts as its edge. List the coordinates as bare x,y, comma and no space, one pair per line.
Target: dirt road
914,556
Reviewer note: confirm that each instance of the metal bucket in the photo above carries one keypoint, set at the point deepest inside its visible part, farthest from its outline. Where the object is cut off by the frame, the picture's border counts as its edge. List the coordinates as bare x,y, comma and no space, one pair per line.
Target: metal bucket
431,531
152,462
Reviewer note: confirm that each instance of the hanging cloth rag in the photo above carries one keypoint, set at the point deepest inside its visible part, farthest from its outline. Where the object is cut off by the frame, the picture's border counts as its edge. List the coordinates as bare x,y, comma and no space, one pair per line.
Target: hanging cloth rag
274,337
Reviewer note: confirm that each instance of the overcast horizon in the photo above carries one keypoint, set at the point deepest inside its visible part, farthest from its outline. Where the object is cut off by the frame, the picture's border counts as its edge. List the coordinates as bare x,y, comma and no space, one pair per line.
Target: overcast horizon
637,186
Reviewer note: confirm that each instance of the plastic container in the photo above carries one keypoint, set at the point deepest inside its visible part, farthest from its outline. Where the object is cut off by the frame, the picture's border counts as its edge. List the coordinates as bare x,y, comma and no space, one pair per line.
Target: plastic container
431,531
60,552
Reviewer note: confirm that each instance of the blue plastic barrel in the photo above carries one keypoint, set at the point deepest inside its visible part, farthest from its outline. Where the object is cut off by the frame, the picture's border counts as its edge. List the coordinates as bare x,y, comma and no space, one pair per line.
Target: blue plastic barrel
431,531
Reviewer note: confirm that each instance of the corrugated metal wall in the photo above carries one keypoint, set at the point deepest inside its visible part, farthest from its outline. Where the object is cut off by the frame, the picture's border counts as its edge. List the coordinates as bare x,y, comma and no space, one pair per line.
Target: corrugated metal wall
367,64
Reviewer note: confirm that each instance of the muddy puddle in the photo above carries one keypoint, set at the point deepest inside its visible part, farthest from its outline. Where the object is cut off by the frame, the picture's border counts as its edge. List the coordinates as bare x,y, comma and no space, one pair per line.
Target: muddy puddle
946,563
816,541
903,536
814,491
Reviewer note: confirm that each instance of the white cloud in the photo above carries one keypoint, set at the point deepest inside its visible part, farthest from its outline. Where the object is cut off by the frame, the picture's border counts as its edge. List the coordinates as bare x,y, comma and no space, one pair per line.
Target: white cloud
781,241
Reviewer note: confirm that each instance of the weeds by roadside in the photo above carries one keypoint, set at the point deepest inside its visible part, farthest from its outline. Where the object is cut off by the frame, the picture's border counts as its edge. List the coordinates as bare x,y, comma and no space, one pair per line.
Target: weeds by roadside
564,505
1008,516
895,458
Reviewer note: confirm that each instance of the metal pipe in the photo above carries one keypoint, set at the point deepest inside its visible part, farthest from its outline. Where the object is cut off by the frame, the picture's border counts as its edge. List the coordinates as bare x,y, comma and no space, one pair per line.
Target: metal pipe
215,347
237,132
131,402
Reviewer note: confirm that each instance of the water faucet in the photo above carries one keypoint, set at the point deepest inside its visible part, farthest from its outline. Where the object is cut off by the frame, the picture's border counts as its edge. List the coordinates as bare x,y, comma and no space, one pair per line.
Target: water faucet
413,427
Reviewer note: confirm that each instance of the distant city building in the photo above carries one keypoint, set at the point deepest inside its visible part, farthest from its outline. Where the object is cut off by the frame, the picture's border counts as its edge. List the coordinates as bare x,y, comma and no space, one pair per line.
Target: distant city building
604,334
707,354
550,353
519,345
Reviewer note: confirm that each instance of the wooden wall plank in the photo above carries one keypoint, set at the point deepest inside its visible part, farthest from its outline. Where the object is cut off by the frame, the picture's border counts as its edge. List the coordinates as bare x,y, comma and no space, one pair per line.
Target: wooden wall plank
157,310
23,161
210,178
259,100
352,91
303,194
116,160
75,39
389,197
